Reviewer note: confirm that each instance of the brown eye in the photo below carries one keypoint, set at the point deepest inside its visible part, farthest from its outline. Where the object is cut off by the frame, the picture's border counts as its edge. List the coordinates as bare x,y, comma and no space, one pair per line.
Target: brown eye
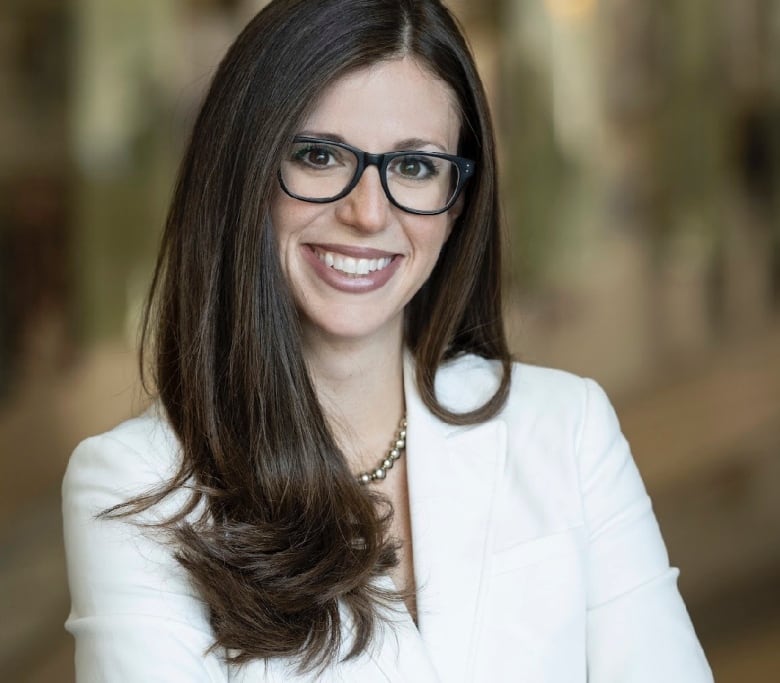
315,156
318,157
416,167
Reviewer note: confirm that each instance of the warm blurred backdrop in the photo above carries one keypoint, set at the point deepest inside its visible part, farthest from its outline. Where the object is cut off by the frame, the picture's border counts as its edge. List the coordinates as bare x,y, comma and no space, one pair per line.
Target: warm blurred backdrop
640,151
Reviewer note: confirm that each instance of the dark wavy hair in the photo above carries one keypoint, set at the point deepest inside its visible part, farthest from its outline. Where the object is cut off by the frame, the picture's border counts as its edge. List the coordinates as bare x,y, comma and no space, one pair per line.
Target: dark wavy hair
277,532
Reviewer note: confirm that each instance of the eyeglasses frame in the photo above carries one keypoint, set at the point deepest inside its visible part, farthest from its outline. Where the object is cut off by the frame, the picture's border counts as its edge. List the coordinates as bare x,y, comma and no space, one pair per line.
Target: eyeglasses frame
382,161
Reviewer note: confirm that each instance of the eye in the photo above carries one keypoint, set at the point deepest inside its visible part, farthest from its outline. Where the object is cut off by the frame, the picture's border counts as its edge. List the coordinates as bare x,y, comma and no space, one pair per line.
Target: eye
316,155
415,167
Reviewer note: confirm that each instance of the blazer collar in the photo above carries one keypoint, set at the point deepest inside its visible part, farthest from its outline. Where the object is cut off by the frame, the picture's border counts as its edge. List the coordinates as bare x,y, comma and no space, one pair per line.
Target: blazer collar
453,475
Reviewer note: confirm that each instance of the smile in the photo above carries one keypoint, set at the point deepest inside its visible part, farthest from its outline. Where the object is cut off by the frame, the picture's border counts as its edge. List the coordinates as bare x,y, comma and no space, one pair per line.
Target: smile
350,265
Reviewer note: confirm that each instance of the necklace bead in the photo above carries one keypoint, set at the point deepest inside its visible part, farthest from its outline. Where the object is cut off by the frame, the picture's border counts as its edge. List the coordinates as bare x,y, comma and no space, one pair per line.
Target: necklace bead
397,447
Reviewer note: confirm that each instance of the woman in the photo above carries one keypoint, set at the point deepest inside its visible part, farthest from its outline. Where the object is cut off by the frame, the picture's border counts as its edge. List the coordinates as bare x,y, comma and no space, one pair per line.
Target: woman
344,477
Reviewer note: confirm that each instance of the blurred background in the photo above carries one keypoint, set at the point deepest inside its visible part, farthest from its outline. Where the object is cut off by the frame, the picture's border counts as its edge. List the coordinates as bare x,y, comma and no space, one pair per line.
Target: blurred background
640,153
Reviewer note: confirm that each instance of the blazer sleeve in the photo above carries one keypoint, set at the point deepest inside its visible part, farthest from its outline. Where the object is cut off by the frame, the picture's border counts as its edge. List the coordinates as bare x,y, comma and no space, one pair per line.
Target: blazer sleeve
638,630
134,616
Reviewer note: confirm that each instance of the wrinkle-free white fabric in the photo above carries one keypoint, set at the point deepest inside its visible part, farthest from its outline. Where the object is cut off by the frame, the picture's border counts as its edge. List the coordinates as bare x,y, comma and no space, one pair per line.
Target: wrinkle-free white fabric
536,553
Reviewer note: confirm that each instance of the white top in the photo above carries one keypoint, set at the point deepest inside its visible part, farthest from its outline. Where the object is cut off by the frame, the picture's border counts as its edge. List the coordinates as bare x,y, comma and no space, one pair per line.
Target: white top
536,553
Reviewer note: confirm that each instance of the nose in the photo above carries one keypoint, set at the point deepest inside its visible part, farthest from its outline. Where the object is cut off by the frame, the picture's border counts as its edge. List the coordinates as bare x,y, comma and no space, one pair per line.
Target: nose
366,207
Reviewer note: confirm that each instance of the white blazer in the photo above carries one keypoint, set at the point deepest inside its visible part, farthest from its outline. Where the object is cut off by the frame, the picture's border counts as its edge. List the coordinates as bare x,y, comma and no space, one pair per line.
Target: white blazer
536,553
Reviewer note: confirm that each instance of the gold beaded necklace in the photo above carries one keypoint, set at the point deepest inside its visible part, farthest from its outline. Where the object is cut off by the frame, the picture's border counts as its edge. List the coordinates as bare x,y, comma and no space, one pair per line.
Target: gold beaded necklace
397,447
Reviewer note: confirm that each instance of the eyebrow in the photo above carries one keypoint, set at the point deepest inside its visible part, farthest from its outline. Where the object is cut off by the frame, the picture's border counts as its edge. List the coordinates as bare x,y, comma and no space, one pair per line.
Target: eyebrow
416,143
411,144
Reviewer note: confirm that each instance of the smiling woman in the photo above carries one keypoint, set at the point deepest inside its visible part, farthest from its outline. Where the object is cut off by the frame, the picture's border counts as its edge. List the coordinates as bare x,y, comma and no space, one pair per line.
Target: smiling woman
344,476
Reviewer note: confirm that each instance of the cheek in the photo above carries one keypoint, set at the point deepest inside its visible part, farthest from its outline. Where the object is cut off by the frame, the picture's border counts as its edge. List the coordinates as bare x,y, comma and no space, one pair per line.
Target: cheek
282,217
289,219
428,246
454,213
284,224
439,236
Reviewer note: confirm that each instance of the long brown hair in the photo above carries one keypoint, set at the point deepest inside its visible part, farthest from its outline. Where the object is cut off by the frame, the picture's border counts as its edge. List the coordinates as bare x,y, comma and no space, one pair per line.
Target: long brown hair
277,532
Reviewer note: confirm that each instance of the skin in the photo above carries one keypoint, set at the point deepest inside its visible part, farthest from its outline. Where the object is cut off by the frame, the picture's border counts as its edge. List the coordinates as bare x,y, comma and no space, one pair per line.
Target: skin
353,335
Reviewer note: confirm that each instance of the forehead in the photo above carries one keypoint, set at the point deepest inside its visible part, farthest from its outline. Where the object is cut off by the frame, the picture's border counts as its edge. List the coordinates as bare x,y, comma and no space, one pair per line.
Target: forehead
376,107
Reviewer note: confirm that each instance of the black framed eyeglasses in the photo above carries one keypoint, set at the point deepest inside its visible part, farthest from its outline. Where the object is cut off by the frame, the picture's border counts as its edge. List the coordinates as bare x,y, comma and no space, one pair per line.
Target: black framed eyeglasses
320,171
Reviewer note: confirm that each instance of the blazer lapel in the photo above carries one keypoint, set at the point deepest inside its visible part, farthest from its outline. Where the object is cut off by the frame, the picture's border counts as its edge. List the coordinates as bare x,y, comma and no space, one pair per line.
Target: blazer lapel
453,474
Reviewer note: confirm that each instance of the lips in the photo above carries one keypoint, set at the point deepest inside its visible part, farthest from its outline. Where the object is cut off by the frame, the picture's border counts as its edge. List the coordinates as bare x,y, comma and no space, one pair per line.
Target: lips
352,269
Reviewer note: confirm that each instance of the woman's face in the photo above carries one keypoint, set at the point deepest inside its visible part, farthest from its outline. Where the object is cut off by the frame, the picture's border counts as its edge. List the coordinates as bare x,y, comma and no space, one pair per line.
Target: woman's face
355,263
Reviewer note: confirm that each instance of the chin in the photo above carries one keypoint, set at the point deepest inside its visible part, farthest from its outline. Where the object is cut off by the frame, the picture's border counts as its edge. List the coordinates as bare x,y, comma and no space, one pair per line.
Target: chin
346,328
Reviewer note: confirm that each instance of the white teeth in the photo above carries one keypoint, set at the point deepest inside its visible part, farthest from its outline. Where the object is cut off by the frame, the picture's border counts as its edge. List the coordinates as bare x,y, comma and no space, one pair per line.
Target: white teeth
350,265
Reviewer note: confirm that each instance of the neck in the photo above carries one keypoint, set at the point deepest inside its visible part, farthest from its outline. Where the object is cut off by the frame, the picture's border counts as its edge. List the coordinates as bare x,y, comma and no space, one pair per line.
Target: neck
360,386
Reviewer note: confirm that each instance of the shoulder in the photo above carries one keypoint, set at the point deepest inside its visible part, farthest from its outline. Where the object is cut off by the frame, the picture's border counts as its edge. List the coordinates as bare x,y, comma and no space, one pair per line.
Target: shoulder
134,457
134,613
468,381
553,418
561,440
